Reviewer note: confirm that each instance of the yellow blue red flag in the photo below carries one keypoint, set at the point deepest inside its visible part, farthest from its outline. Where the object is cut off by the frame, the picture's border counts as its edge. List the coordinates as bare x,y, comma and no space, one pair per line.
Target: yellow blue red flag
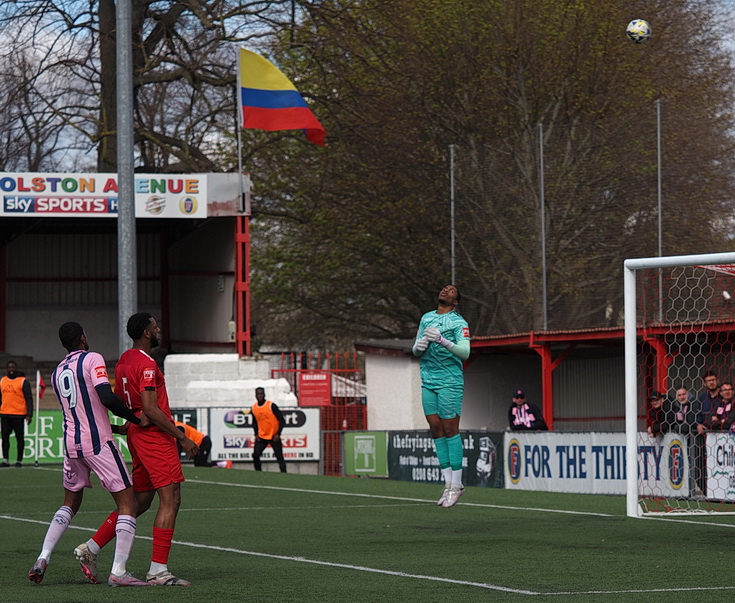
269,101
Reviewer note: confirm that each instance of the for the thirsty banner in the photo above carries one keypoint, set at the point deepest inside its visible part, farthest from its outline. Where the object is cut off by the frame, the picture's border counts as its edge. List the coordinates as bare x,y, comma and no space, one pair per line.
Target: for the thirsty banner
594,463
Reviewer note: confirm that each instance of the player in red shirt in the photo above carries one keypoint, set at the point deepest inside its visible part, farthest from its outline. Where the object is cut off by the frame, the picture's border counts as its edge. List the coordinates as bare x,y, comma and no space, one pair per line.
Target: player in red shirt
156,463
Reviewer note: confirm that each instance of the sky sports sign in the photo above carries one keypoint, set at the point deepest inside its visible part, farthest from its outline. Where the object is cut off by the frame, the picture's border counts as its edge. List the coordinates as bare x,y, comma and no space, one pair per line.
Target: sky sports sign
96,195
232,435
594,463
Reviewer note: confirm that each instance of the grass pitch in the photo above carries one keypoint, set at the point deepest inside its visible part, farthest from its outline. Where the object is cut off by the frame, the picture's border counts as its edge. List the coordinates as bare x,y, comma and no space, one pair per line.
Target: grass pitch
272,537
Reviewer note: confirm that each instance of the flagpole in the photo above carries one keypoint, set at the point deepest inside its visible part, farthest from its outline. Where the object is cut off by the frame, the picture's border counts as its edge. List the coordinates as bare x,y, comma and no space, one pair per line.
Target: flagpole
241,311
238,122
258,82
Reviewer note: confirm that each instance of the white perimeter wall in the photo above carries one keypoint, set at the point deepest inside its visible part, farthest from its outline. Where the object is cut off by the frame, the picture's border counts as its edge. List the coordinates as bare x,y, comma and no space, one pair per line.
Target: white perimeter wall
394,391
201,381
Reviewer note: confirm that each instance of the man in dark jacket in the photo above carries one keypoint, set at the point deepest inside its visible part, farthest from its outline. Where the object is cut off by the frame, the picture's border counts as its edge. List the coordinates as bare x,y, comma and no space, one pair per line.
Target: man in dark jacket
523,416
722,414
681,415
657,421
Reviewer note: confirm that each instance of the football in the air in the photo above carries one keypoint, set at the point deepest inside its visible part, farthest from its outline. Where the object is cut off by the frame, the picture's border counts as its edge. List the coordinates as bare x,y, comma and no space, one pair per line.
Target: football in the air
638,31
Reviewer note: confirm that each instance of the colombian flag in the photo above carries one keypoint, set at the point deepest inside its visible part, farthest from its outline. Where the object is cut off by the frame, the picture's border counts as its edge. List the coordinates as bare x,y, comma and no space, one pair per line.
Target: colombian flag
269,101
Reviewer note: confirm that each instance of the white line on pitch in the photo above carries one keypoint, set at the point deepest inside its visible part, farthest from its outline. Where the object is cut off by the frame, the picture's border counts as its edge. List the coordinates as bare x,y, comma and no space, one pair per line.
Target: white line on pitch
690,521
683,589
373,570
362,568
421,500
346,566
384,497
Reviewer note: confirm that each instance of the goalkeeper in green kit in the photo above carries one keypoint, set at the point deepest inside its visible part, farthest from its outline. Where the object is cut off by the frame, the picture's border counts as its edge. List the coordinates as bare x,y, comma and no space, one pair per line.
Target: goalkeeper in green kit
443,343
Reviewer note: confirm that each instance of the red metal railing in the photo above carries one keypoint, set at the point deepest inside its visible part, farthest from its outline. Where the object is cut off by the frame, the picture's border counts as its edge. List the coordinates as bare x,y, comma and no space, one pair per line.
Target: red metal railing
346,410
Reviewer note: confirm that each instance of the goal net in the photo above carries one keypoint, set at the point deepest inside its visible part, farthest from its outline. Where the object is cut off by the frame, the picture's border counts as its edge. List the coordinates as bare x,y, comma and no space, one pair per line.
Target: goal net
679,371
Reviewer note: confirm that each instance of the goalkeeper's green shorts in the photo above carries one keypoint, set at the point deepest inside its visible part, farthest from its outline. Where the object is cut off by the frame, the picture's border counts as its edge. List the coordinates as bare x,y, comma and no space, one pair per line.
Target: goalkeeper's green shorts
445,402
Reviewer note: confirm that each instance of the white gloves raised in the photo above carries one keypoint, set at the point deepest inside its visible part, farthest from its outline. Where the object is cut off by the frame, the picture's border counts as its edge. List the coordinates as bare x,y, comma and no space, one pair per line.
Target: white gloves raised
433,335
421,345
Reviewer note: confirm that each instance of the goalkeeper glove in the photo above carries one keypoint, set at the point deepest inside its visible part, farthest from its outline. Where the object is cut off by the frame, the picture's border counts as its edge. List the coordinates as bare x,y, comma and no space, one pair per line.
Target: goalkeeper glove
421,345
433,335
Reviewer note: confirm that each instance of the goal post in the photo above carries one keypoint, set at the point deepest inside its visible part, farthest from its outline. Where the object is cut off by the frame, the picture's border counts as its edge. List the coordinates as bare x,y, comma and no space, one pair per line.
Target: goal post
678,326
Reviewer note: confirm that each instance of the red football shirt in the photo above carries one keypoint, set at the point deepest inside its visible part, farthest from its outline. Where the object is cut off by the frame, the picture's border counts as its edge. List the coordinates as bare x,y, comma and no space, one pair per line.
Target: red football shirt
135,372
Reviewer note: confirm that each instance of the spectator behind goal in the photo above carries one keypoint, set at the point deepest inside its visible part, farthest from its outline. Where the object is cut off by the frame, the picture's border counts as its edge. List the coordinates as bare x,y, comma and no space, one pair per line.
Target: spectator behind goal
523,416
680,414
657,420
721,418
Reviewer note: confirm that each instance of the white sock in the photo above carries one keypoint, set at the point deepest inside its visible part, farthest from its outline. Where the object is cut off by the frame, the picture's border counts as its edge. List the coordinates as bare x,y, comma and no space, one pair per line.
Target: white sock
456,478
125,535
93,547
447,475
57,527
157,568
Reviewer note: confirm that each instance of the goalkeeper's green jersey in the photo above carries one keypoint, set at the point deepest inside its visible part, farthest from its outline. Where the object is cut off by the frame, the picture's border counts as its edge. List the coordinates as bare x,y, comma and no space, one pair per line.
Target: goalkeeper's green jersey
439,367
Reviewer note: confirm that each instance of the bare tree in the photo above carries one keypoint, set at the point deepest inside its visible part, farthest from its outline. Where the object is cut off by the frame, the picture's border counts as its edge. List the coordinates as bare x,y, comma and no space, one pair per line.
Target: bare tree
32,137
184,72
354,240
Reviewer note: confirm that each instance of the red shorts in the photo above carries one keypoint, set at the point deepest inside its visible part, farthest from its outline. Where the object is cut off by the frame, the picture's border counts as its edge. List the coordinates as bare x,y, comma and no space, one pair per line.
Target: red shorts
156,461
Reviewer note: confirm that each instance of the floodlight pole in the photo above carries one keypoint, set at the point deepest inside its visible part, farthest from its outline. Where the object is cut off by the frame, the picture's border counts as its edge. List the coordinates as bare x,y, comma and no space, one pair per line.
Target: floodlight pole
127,279
241,310
542,201
451,211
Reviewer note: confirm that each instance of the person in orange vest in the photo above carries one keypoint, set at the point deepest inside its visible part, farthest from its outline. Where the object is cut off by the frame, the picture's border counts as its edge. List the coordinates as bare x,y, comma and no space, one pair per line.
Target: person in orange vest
16,406
268,423
205,446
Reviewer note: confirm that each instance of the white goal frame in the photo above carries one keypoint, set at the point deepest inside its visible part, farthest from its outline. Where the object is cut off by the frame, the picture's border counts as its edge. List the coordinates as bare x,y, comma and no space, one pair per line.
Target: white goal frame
630,268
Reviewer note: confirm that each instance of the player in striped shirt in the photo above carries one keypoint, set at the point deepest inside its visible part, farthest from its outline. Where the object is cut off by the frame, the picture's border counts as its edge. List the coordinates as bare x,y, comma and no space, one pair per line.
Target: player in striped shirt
83,389
156,461
443,343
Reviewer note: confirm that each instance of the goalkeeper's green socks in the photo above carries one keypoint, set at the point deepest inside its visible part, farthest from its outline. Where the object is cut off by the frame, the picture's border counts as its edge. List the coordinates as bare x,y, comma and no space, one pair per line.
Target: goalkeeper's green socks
442,452
454,445
449,452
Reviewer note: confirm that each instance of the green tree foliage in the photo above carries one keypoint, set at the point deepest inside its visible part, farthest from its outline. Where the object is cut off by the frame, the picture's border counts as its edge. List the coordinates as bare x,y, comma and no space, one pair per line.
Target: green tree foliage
354,240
